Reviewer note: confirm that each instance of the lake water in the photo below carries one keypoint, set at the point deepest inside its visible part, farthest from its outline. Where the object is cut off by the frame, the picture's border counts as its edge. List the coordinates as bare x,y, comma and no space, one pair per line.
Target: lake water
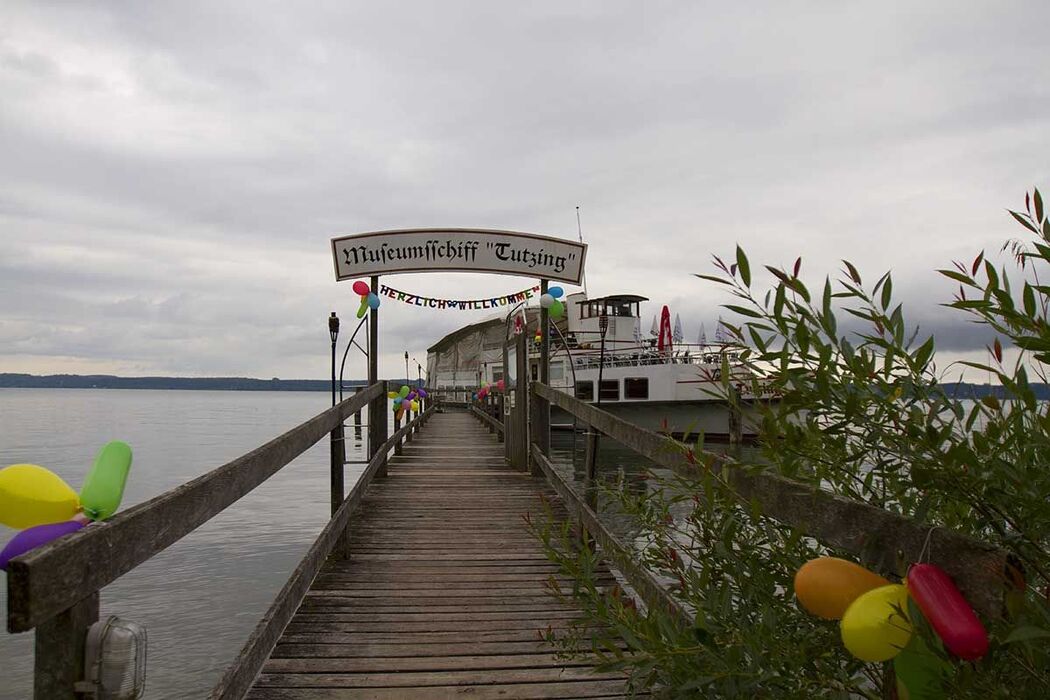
202,597
229,569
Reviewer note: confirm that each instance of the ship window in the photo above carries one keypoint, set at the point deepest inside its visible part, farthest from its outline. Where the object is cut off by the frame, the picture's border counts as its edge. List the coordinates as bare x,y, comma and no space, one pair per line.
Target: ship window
636,388
585,390
557,371
610,390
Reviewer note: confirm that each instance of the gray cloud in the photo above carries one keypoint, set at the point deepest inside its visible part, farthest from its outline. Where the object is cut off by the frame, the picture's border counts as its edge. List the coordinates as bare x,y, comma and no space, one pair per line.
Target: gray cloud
172,173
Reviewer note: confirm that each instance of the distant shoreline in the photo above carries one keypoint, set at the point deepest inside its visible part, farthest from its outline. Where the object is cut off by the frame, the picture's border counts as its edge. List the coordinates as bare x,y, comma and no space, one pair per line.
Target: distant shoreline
107,381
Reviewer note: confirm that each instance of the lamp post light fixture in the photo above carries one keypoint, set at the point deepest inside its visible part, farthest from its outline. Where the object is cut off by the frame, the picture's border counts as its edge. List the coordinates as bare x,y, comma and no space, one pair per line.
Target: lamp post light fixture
333,332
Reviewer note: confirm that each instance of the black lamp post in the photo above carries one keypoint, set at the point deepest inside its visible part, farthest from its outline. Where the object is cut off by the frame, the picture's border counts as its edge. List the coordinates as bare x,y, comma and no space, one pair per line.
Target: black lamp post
333,332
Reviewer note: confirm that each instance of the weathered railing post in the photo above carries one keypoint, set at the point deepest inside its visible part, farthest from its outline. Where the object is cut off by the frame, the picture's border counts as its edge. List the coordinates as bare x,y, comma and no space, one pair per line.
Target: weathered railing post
59,650
337,458
357,419
397,443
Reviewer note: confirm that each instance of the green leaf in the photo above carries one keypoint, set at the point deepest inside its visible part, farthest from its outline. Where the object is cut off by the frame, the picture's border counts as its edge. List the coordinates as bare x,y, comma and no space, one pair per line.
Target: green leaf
957,276
1024,222
919,671
743,267
1029,299
712,278
887,293
853,274
1025,633
742,310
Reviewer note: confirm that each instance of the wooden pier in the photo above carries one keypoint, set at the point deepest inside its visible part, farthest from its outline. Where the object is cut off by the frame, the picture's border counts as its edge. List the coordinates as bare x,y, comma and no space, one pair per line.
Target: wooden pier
443,592
425,582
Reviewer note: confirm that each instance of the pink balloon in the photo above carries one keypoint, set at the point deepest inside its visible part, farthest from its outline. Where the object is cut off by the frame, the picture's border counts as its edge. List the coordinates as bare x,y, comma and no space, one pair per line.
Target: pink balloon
361,288
34,537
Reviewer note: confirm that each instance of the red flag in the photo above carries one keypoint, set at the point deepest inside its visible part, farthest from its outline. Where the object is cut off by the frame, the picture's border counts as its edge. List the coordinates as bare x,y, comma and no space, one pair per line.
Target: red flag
664,342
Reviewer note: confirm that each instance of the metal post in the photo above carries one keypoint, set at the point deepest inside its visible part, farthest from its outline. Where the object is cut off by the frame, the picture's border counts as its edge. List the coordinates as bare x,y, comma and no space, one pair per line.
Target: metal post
377,410
541,409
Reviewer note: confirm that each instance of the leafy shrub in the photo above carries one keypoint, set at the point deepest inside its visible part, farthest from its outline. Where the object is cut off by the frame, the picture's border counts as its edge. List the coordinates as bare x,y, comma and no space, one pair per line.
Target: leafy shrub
864,413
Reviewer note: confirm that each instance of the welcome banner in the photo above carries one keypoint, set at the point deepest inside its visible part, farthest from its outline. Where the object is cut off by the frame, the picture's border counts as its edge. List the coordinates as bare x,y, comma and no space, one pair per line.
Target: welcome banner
458,304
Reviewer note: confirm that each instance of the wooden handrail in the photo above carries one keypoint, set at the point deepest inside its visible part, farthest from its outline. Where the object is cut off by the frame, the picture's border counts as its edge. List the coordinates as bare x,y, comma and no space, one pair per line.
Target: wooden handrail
881,539
622,557
487,419
48,580
241,674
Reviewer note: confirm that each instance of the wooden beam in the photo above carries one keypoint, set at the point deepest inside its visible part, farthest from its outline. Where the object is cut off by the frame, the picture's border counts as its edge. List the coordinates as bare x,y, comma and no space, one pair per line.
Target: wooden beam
44,582
59,651
881,539
242,673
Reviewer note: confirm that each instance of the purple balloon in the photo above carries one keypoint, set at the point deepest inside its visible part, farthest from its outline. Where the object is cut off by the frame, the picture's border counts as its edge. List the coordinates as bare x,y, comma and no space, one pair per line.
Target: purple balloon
422,393
34,537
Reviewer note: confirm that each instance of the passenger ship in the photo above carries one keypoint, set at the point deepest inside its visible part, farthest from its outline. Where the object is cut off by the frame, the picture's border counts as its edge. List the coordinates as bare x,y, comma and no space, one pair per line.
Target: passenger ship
669,387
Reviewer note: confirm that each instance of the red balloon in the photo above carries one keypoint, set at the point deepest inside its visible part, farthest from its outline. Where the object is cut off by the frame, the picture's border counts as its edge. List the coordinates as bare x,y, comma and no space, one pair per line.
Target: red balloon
361,288
949,614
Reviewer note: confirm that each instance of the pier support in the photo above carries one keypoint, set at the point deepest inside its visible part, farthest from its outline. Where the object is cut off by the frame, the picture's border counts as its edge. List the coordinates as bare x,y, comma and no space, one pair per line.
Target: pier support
59,651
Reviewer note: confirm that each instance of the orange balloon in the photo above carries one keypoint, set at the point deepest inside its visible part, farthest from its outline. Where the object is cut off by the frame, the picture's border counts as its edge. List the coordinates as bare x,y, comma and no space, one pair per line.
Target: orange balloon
826,586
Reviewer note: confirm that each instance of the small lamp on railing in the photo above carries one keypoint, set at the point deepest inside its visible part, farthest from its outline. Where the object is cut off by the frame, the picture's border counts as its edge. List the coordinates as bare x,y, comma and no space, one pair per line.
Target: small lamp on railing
333,332
114,660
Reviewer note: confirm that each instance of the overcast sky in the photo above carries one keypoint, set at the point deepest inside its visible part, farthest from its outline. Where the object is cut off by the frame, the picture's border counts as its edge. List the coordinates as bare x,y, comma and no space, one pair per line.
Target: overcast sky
171,173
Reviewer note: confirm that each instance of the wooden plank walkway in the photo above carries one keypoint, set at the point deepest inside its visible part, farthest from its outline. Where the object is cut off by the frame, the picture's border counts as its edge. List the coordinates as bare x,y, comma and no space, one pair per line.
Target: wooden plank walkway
443,595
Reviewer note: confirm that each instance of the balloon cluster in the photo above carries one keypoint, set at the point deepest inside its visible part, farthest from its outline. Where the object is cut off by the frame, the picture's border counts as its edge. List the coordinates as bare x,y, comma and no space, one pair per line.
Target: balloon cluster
406,398
552,302
875,620
538,338
369,299
487,389
38,500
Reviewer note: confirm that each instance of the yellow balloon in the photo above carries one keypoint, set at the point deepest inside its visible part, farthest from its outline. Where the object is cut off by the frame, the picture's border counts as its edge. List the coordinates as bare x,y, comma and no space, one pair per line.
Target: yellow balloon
31,495
415,406
392,394
873,628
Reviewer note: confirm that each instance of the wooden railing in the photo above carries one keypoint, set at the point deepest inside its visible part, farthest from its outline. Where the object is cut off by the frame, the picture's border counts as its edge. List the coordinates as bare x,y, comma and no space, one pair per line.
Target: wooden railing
494,425
878,538
240,675
55,589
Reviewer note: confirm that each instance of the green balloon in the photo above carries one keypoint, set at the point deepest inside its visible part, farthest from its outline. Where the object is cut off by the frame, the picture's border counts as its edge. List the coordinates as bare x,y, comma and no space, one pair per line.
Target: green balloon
557,309
104,485
920,672
404,392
